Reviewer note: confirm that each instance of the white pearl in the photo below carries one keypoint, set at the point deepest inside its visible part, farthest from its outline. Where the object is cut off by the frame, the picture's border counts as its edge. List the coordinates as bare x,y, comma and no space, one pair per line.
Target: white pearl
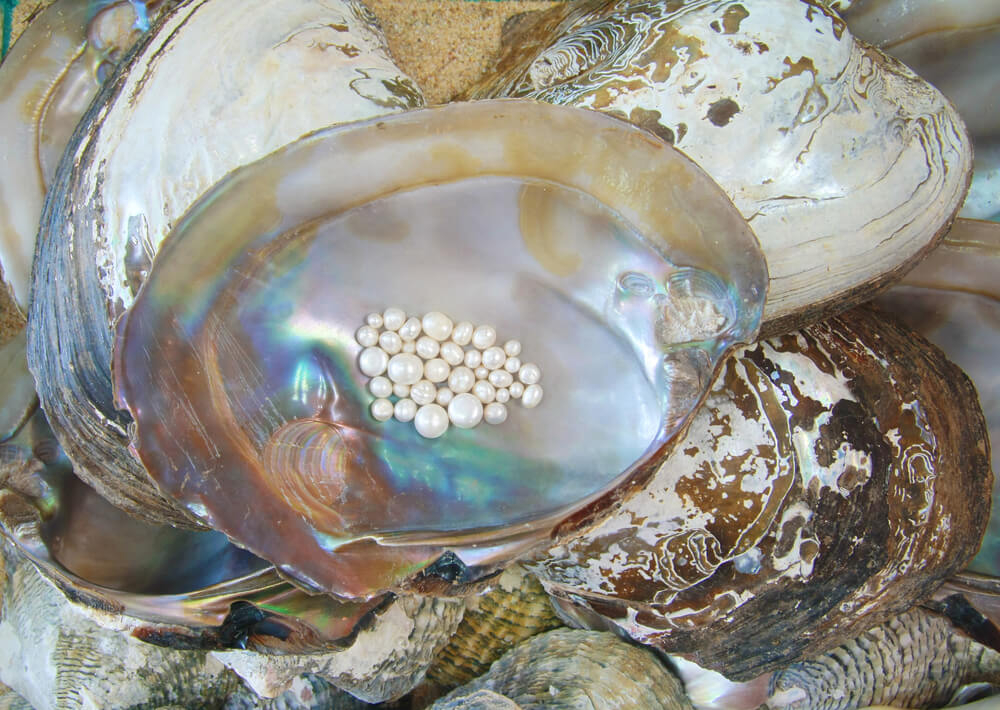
516,390
437,325
532,396
405,410
512,348
473,358
465,411
380,386
495,413
501,378
461,380
431,421
401,390
462,333
423,392
484,336
485,391
393,318
503,395
374,320
512,365
390,342
382,409
366,336
409,346
482,373
436,370
452,353
410,329
373,361
427,347
444,395
406,369
529,373
494,358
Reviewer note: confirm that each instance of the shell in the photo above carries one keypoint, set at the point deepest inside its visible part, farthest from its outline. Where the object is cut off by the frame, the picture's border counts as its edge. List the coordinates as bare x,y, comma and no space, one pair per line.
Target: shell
847,165
313,63
834,475
308,692
17,389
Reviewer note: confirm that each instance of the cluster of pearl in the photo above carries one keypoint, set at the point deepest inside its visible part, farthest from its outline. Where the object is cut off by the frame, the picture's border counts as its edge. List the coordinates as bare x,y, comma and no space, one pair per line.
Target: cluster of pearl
421,366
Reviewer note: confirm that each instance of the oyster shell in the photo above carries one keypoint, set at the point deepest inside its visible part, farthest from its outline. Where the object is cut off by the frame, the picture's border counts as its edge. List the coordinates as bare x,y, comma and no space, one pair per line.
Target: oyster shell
847,165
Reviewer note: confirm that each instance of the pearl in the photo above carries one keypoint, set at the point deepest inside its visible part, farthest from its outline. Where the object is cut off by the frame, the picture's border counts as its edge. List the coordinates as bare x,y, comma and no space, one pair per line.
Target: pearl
423,392
461,380
373,361
405,410
465,411
382,409
390,342
374,320
484,391
462,334
512,348
473,358
482,373
410,329
393,318
406,369
452,353
494,358
503,395
401,390
444,395
512,365
431,421
529,373
409,346
495,413
427,347
437,325
436,370
532,396
366,336
516,390
484,336
380,386
501,378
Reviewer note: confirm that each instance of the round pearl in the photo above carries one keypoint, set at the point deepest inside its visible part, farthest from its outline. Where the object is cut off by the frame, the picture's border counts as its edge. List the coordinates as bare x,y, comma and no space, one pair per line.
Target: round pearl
482,373
427,347
409,346
465,411
374,320
494,358
452,353
431,421
484,336
373,361
532,396
380,386
382,409
501,378
437,325
393,318
485,391
423,392
406,369
366,336
495,413
390,342
461,380
405,410
410,329
436,370
473,358
444,395
529,373
503,395
512,365
462,334
512,348
516,390
401,390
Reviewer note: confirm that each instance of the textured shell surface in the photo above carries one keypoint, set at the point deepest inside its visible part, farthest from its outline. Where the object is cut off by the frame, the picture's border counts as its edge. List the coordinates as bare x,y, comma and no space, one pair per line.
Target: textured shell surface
824,487
845,163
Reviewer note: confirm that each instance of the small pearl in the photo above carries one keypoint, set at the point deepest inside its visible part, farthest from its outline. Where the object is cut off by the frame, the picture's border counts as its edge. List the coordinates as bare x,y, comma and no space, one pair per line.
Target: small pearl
461,380
516,390
532,396
501,378
465,411
401,390
390,342
495,413
366,336
382,409
482,373
462,334
494,358
444,395
431,421
374,320
503,395
512,348
393,318
405,410
437,325
436,370
409,347
427,347
512,365
484,336
410,329
485,391
380,386
529,373
406,369
473,358
423,392
452,353
373,361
